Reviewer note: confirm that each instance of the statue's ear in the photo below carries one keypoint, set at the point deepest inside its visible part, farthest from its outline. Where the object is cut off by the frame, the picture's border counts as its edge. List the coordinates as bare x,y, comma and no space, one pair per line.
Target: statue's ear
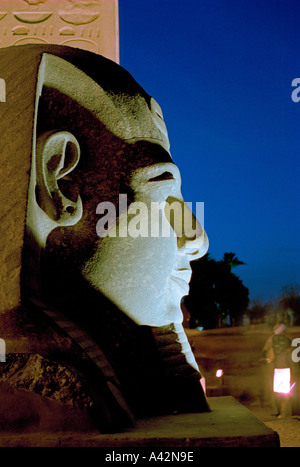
57,155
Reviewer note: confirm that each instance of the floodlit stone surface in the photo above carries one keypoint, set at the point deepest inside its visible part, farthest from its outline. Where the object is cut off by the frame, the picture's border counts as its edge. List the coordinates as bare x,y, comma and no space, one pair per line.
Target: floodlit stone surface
47,378
229,424
80,131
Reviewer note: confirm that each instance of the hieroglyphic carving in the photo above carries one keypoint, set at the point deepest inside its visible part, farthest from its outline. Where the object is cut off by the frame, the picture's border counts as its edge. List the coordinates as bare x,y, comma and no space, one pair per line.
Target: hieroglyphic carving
20,31
30,40
83,14
82,44
31,17
67,31
35,2
90,25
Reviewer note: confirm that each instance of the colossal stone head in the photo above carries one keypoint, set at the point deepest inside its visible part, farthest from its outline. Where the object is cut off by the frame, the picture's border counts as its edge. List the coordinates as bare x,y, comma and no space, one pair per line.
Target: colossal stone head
95,228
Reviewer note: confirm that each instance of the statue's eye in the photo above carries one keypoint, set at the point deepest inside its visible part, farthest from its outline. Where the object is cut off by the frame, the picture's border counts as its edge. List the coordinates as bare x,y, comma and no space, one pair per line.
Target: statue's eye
161,177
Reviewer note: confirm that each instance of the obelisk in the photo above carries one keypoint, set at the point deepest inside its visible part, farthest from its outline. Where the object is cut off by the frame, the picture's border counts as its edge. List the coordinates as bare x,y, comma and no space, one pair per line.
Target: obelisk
92,25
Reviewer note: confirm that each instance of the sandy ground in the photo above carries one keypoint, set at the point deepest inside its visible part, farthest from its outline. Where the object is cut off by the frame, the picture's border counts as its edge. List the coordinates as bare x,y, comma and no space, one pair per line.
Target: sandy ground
238,352
288,428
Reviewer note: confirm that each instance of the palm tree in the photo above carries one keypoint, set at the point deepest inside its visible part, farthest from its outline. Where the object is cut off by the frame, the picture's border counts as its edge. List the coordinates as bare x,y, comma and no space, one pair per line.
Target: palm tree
231,260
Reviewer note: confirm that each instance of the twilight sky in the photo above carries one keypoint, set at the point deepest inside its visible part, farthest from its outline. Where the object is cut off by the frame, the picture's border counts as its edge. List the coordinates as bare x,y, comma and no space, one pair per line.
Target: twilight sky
222,72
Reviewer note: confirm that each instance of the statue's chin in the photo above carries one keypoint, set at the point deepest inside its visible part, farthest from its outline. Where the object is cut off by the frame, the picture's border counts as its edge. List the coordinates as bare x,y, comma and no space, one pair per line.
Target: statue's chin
163,315
177,338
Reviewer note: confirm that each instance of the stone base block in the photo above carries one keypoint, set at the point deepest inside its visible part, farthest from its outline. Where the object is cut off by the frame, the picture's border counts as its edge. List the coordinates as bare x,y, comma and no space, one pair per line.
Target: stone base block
229,424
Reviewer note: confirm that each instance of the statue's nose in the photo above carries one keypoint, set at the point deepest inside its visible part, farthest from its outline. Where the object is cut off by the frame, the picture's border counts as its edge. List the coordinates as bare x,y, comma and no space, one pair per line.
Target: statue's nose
191,236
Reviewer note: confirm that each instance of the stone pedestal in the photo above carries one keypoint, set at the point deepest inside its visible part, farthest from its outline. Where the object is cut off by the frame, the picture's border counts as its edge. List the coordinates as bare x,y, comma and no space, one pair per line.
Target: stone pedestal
92,26
229,424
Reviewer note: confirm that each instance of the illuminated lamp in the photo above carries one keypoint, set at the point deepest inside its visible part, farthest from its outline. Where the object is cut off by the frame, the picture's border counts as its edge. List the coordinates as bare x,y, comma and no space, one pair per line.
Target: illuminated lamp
282,380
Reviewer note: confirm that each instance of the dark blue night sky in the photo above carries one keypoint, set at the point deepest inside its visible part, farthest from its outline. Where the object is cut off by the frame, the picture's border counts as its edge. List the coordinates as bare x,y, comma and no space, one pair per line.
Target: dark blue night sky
222,72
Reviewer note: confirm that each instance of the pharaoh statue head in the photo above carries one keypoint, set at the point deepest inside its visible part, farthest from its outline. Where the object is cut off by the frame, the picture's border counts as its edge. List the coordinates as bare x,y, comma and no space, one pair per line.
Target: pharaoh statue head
95,233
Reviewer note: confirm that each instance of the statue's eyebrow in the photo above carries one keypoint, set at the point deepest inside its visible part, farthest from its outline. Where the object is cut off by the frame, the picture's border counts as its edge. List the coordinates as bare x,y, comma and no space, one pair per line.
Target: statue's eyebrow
164,176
